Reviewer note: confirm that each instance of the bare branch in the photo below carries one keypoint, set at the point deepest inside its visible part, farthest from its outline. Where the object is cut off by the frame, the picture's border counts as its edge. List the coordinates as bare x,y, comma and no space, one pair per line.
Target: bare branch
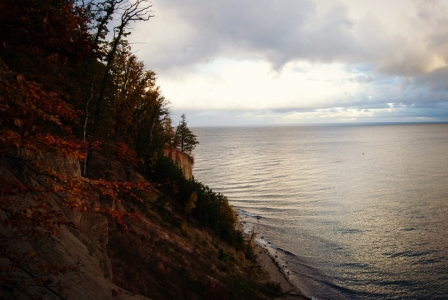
137,11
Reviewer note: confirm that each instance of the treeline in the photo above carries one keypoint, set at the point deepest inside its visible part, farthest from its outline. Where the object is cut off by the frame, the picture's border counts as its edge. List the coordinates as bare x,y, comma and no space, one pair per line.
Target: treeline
78,50
71,48
70,84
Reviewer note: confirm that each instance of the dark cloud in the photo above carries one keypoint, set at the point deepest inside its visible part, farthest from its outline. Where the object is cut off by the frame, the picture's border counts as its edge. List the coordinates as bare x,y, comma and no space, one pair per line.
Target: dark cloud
280,31
434,82
265,28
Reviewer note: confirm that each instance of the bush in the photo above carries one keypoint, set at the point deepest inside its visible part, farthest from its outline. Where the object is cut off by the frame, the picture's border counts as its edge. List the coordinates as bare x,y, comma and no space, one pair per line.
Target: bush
210,209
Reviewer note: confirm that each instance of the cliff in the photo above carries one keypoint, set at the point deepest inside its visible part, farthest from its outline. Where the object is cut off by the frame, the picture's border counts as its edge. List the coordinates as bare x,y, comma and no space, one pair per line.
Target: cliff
163,254
183,160
72,263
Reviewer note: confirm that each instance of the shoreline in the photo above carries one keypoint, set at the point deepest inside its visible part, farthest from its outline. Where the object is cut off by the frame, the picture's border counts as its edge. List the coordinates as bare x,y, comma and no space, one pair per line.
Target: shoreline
271,266
268,263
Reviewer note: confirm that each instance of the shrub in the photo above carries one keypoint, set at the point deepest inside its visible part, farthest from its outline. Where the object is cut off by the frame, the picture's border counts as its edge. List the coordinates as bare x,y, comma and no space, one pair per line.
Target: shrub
209,208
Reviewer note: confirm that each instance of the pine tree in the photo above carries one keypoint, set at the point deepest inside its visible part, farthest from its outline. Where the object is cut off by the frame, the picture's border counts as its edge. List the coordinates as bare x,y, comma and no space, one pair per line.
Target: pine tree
186,140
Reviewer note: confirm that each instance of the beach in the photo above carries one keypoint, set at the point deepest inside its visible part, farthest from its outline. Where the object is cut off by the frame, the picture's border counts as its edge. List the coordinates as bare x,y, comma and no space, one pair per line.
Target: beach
269,264
272,268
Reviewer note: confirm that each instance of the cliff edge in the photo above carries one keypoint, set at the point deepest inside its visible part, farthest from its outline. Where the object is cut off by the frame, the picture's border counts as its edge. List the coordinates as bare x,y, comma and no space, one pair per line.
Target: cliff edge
181,159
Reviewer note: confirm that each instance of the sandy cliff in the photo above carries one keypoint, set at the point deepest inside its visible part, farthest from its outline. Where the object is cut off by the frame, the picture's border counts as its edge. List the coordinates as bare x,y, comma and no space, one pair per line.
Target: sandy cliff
183,160
82,246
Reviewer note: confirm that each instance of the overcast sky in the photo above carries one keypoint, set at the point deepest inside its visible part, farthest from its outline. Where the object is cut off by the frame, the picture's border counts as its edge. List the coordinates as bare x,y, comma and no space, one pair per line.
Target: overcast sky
253,62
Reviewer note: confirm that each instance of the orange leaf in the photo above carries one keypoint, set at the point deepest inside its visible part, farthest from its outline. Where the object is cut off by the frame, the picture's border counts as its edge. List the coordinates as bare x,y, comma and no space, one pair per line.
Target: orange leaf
20,78
18,122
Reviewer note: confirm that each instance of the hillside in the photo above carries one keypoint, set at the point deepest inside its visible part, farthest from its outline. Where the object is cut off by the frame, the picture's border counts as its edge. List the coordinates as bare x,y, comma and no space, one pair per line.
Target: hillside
162,255
97,197
111,234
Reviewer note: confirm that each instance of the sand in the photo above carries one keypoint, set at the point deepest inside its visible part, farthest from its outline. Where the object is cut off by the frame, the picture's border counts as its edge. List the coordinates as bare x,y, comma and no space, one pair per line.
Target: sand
270,266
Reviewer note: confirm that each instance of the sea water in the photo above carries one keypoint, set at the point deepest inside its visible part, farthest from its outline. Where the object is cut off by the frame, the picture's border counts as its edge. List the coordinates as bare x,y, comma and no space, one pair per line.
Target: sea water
349,211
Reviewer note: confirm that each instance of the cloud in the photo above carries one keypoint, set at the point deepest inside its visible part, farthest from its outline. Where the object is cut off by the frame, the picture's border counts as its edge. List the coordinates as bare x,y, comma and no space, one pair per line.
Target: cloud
434,82
390,113
205,30
252,60
187,32
277,31
366,79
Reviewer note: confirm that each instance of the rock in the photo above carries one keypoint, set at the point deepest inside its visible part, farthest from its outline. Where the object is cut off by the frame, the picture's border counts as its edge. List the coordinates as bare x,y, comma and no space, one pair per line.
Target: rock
183,160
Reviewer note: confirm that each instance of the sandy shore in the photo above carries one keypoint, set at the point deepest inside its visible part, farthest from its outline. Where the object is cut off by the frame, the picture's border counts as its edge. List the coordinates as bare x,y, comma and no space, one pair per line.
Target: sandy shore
271,267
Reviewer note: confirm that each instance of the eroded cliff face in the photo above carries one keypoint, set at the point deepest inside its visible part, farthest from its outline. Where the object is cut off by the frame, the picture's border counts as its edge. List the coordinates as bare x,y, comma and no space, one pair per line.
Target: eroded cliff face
183,160
82,246
163,254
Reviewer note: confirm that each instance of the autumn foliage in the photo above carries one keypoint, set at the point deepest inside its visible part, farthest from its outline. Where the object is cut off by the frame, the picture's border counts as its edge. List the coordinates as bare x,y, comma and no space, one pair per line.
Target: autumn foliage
51,26
35,125
29,115
94,96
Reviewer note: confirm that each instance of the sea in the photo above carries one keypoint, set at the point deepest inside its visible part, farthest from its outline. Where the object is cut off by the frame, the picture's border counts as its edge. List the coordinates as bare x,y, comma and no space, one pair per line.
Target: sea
347,211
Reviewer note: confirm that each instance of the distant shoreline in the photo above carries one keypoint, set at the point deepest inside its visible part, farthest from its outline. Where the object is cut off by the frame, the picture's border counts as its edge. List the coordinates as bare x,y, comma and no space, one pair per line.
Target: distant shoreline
347,124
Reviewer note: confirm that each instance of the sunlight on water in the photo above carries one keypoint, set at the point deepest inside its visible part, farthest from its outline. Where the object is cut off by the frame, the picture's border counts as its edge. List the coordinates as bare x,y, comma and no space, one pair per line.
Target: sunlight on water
352,212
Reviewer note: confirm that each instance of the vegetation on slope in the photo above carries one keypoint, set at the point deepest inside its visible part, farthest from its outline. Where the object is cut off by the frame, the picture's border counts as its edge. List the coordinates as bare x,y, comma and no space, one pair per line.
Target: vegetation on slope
68,91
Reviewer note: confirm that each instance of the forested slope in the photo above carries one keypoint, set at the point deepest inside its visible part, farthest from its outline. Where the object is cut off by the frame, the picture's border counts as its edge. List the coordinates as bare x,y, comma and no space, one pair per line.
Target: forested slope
90,205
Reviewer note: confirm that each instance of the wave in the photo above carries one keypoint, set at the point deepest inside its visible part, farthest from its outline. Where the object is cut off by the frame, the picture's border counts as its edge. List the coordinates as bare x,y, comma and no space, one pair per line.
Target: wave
243,212
349,231
408,253
409,229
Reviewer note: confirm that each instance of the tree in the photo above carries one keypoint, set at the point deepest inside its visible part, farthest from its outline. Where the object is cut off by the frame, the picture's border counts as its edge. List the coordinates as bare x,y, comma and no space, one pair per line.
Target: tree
103,13
186,140
151,125
54,27
135,11
35,131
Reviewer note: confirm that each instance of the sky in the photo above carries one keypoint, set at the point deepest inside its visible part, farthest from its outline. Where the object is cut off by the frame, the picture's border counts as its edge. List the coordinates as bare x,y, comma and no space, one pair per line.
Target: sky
280,62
